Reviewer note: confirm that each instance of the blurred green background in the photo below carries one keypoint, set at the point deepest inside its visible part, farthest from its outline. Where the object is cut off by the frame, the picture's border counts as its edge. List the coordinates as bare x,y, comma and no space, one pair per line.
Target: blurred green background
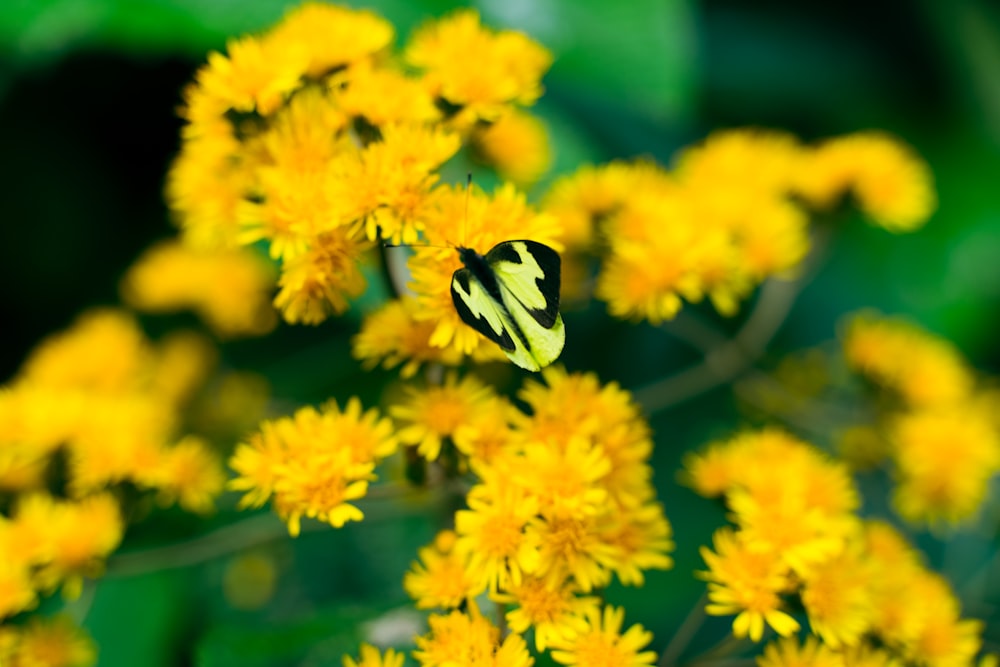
88,91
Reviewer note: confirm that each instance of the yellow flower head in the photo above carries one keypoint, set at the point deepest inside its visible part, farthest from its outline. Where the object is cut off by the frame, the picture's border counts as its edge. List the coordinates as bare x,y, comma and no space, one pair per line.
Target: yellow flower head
748,583
372,657
52,642
229,289
468,218
548,606
314,463
945,459
516,145
787,652
393,335
493,534
387,184
257,74
441,577
318,283
506,69
603,644
469,639
893,185
434,413
189,472
837,596
382,96
923,369
331,36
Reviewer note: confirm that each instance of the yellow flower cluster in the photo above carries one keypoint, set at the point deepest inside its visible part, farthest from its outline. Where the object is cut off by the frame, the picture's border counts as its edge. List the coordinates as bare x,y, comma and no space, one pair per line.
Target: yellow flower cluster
316,139
942,431
313,463
230,289
107,401
729,215
563,503
797,535
55,642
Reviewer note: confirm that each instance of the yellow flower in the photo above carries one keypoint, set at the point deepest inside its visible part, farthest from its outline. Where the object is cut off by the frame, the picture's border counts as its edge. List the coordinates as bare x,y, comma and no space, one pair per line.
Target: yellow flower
747,583
641,536
17,589
786,652
576,546
507,68
318,283
73,537
893,185
516,145
548,606
945,459
395,336
441,577
386,185
314,463
837,596
189,472
492,534
104,352
183,361
256,75
54,642
431,414
382,96
469,639
603,644
923,369
371,657
331,36
565,480
229,289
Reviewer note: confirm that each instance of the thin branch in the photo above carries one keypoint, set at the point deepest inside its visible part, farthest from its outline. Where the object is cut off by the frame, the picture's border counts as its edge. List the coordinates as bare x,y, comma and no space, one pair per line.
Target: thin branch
685,633
726,359
244,534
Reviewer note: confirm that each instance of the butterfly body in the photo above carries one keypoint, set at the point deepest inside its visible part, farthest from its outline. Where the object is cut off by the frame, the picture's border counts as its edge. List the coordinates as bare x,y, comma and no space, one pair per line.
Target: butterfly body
511,296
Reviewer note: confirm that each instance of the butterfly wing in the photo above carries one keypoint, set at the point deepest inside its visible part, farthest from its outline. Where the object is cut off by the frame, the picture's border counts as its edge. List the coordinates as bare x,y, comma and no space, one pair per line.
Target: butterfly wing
531,273
488,315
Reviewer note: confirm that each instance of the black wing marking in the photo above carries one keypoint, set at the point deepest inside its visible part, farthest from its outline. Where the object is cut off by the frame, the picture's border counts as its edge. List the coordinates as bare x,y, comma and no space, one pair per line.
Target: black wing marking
481,311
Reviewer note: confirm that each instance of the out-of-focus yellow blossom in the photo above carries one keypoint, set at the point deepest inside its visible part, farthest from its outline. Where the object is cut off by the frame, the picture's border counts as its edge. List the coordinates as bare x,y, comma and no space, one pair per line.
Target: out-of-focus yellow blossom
603,644
229,289
332,36
749,584
457,216
922,369
69,539
249,580
787,652
313,464
372,657
945,460
469,639
393,335
429,415
550,607
516,145
255,74
892,184
53,642
506,70
381,96
318,283
441,577
837,596
107,402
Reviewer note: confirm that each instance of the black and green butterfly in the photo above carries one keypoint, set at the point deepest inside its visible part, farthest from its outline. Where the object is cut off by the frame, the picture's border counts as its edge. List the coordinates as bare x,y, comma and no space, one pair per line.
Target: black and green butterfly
511,296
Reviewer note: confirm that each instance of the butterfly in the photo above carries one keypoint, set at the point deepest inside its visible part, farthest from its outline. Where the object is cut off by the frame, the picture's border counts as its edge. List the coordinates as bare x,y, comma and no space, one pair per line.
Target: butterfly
511,296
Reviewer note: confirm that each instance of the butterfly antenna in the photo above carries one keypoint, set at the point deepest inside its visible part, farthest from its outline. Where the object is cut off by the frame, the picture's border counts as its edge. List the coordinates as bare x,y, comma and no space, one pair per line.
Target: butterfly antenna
465,219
